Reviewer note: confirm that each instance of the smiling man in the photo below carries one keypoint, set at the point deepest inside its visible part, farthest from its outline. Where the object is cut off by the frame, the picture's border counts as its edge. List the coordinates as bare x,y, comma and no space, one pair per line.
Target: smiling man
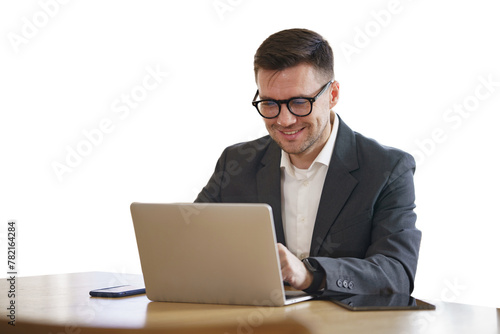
342,203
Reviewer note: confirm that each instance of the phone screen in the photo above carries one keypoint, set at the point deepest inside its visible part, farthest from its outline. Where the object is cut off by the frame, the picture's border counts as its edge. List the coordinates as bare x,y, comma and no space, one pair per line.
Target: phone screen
118,291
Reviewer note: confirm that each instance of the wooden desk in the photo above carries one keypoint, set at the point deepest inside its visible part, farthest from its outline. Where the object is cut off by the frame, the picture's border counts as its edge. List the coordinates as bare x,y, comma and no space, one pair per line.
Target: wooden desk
57,304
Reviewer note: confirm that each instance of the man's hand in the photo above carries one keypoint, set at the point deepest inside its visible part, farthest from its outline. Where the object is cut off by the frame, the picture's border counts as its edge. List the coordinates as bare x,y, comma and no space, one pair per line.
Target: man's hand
293,270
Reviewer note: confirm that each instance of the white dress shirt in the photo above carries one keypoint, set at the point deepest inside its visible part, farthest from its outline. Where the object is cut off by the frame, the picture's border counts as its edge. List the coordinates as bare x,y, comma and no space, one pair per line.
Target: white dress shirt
300,194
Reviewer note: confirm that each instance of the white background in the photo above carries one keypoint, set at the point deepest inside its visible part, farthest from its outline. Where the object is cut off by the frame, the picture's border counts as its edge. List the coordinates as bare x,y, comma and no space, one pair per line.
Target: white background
401,67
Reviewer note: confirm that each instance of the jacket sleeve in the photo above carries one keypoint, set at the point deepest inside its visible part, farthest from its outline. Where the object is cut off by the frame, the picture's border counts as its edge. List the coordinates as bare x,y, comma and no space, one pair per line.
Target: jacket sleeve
390,262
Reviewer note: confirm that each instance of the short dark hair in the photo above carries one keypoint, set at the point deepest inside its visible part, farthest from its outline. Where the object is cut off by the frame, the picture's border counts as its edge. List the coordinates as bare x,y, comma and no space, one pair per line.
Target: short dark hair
292,47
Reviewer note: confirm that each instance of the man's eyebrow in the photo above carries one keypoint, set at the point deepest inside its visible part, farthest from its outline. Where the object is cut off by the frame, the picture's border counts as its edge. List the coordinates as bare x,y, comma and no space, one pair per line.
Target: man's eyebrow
292,97
265,97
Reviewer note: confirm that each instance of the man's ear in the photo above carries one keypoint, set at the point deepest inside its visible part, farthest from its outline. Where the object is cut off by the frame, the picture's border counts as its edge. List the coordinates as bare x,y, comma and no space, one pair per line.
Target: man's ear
334,97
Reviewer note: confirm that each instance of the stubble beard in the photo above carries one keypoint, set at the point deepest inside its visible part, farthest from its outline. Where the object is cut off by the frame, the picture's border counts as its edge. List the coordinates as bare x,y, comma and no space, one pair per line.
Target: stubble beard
304,146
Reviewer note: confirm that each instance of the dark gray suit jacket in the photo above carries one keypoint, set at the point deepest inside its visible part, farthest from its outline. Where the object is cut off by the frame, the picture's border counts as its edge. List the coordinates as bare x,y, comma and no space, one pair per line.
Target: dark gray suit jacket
364,235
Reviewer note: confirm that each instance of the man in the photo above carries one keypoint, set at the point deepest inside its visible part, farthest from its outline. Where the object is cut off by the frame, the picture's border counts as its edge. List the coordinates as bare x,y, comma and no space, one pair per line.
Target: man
342,203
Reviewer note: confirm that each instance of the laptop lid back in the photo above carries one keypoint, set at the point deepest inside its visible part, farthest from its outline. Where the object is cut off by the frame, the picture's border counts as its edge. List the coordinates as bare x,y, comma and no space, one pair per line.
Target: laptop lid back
209,253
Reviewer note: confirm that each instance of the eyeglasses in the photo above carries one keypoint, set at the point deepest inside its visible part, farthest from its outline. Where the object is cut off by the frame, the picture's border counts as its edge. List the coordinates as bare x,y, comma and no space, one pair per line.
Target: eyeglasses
298,106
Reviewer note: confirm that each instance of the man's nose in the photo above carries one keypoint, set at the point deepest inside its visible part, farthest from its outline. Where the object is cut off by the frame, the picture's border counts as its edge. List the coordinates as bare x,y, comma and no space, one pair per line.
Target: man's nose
286,118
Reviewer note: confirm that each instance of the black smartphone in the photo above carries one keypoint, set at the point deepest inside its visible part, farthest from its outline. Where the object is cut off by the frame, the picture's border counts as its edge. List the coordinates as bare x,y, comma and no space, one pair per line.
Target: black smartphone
118,291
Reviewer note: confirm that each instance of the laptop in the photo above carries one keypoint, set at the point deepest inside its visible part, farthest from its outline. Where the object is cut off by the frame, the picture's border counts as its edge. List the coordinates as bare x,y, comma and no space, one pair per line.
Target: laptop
217,253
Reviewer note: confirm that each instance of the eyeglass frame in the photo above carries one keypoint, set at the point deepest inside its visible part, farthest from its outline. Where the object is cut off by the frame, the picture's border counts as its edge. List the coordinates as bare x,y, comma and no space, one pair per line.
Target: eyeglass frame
280,102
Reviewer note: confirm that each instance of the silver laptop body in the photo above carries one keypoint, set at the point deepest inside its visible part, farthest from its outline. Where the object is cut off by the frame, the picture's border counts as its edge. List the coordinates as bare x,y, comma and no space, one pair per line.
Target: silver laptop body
210,253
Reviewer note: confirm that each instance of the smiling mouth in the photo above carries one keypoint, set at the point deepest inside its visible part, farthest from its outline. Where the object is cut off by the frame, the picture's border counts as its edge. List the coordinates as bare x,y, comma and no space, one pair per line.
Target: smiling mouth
290,132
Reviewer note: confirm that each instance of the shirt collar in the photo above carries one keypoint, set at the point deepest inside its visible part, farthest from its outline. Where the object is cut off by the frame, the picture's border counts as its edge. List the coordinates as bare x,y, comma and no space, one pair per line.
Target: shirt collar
324,156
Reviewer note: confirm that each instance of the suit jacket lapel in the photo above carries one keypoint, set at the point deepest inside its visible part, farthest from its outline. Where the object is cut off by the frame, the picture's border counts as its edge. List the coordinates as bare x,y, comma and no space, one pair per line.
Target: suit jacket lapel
339,184
269,186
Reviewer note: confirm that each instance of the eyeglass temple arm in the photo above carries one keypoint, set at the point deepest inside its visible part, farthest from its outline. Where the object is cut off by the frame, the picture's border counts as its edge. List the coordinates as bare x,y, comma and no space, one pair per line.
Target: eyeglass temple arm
256,94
